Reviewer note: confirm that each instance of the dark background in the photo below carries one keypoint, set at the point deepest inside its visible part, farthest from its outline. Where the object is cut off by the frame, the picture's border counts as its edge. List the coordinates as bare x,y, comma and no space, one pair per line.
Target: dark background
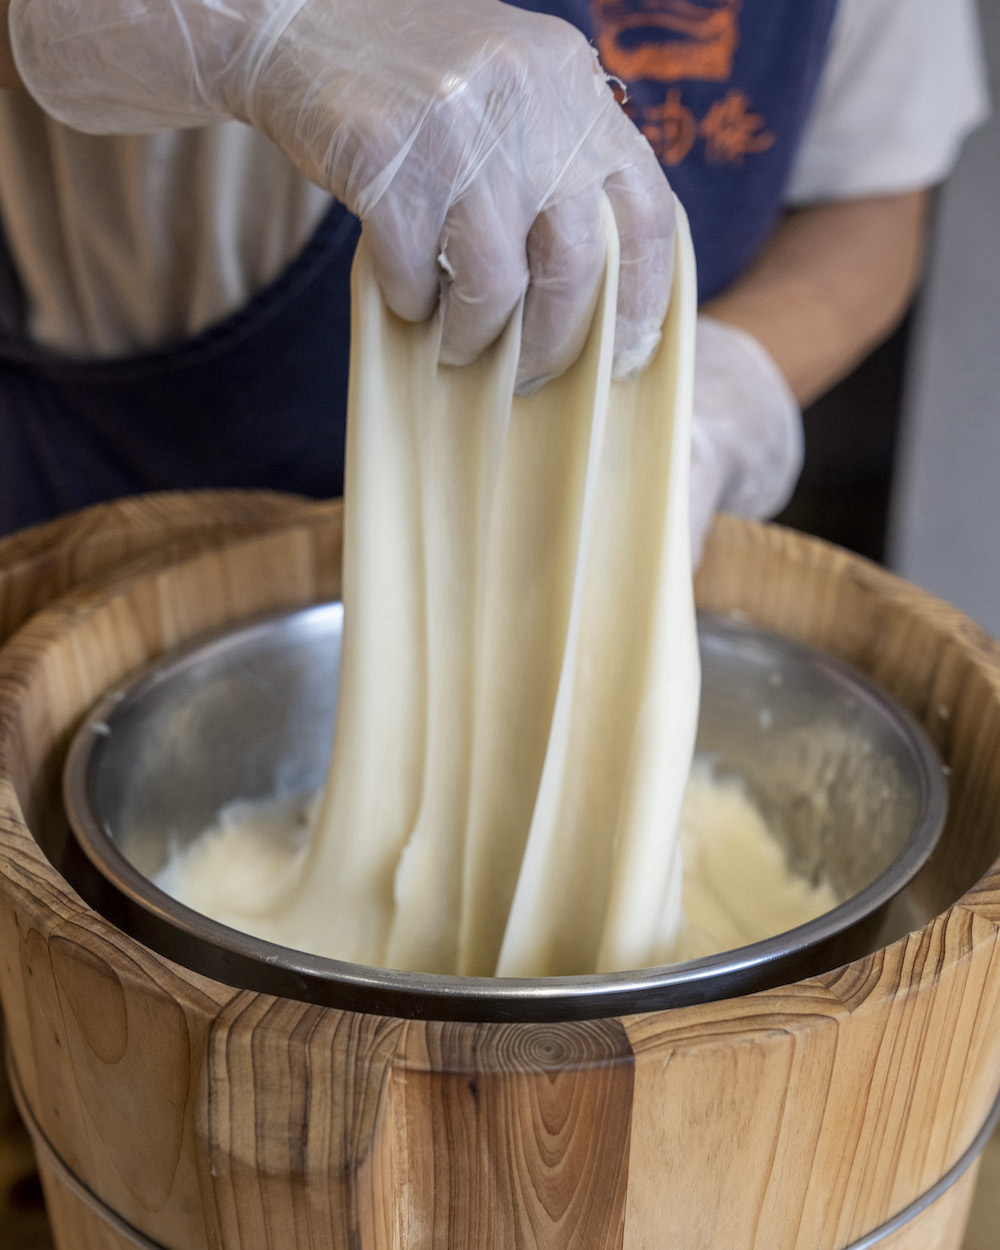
852,432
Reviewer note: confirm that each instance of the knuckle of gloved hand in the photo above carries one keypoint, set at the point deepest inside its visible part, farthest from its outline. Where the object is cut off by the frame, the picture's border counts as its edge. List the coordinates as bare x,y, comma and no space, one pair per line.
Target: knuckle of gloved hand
645,217
478,301
484,249
507,71
404,254
566,240
551,75
635,344
548,349
542,44
412,294
645,210
565,274
575,58
491,283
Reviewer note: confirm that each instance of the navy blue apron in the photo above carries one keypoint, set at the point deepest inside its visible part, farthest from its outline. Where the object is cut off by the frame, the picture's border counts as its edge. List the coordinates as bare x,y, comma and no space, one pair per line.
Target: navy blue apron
722,90
257,400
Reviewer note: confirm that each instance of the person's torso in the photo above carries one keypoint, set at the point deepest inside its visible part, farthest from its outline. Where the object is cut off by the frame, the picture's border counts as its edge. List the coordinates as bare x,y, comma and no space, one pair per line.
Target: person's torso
218,346
122,243
127,242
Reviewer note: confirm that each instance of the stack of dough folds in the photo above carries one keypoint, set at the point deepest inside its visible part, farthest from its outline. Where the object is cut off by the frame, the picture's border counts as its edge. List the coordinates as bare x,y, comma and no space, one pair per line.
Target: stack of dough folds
519,681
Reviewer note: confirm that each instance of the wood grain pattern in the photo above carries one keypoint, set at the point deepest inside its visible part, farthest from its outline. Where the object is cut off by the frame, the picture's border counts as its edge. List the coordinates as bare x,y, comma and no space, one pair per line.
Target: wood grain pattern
41,563
525,1127
316,1163
795,1119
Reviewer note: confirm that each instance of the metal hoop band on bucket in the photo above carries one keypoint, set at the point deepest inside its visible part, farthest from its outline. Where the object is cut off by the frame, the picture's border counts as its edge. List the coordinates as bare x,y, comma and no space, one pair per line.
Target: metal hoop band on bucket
86,1195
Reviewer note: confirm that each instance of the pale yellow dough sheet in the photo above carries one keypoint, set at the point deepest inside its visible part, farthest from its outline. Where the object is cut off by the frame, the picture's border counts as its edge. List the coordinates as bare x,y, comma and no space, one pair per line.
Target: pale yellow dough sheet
519,675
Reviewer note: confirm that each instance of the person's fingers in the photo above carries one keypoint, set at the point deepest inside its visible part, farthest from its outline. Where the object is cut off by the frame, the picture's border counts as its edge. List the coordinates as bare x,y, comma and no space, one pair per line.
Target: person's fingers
404,250
483,256
566,252
493,206
646,218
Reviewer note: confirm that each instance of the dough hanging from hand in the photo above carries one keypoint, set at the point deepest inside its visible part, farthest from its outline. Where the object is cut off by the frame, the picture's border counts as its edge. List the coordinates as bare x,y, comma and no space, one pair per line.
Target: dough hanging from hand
519,676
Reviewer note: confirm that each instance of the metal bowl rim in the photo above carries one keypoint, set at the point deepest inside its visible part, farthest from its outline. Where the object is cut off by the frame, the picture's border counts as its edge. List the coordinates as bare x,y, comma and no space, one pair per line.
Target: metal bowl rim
532,998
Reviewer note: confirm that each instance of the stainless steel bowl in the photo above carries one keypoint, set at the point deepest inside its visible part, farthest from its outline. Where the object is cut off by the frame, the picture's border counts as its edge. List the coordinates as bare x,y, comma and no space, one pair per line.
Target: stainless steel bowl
850,783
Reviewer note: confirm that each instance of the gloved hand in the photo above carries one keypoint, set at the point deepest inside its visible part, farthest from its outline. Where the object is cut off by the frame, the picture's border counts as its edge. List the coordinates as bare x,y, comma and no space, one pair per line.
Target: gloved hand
746,432
472,138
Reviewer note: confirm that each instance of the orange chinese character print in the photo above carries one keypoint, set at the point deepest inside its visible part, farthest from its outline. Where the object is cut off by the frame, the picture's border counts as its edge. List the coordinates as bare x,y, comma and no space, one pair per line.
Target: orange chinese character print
731,130
670,42
671,129
667,40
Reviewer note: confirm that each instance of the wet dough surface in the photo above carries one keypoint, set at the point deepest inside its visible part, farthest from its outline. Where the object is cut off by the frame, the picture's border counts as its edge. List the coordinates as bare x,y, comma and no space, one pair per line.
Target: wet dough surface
519,674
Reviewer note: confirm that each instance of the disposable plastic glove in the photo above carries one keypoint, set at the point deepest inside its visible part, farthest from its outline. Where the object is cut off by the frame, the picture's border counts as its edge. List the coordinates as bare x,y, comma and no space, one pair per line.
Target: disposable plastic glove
472,138
746,432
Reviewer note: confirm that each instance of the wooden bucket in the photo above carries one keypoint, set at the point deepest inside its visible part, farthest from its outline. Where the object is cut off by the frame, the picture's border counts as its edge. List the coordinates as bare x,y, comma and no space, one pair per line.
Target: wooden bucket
174,1111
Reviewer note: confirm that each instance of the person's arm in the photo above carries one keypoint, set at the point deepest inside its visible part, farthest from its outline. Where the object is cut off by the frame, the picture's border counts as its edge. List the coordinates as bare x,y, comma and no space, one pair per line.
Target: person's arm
831,283
9,76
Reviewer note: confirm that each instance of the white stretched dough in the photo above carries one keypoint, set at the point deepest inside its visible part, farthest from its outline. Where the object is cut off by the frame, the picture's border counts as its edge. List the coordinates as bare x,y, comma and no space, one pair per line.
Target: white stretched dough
519,676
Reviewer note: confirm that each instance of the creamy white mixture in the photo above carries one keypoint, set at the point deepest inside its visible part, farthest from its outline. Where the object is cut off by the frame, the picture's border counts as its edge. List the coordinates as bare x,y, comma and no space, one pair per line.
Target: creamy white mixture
737,887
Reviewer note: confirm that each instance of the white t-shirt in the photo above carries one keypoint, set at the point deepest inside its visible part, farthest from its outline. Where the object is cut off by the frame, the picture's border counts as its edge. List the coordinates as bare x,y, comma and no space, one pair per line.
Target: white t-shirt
127,242
903,84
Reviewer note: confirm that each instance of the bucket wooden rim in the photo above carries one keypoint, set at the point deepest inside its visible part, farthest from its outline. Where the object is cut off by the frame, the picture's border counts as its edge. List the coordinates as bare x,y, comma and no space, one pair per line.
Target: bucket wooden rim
22,864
